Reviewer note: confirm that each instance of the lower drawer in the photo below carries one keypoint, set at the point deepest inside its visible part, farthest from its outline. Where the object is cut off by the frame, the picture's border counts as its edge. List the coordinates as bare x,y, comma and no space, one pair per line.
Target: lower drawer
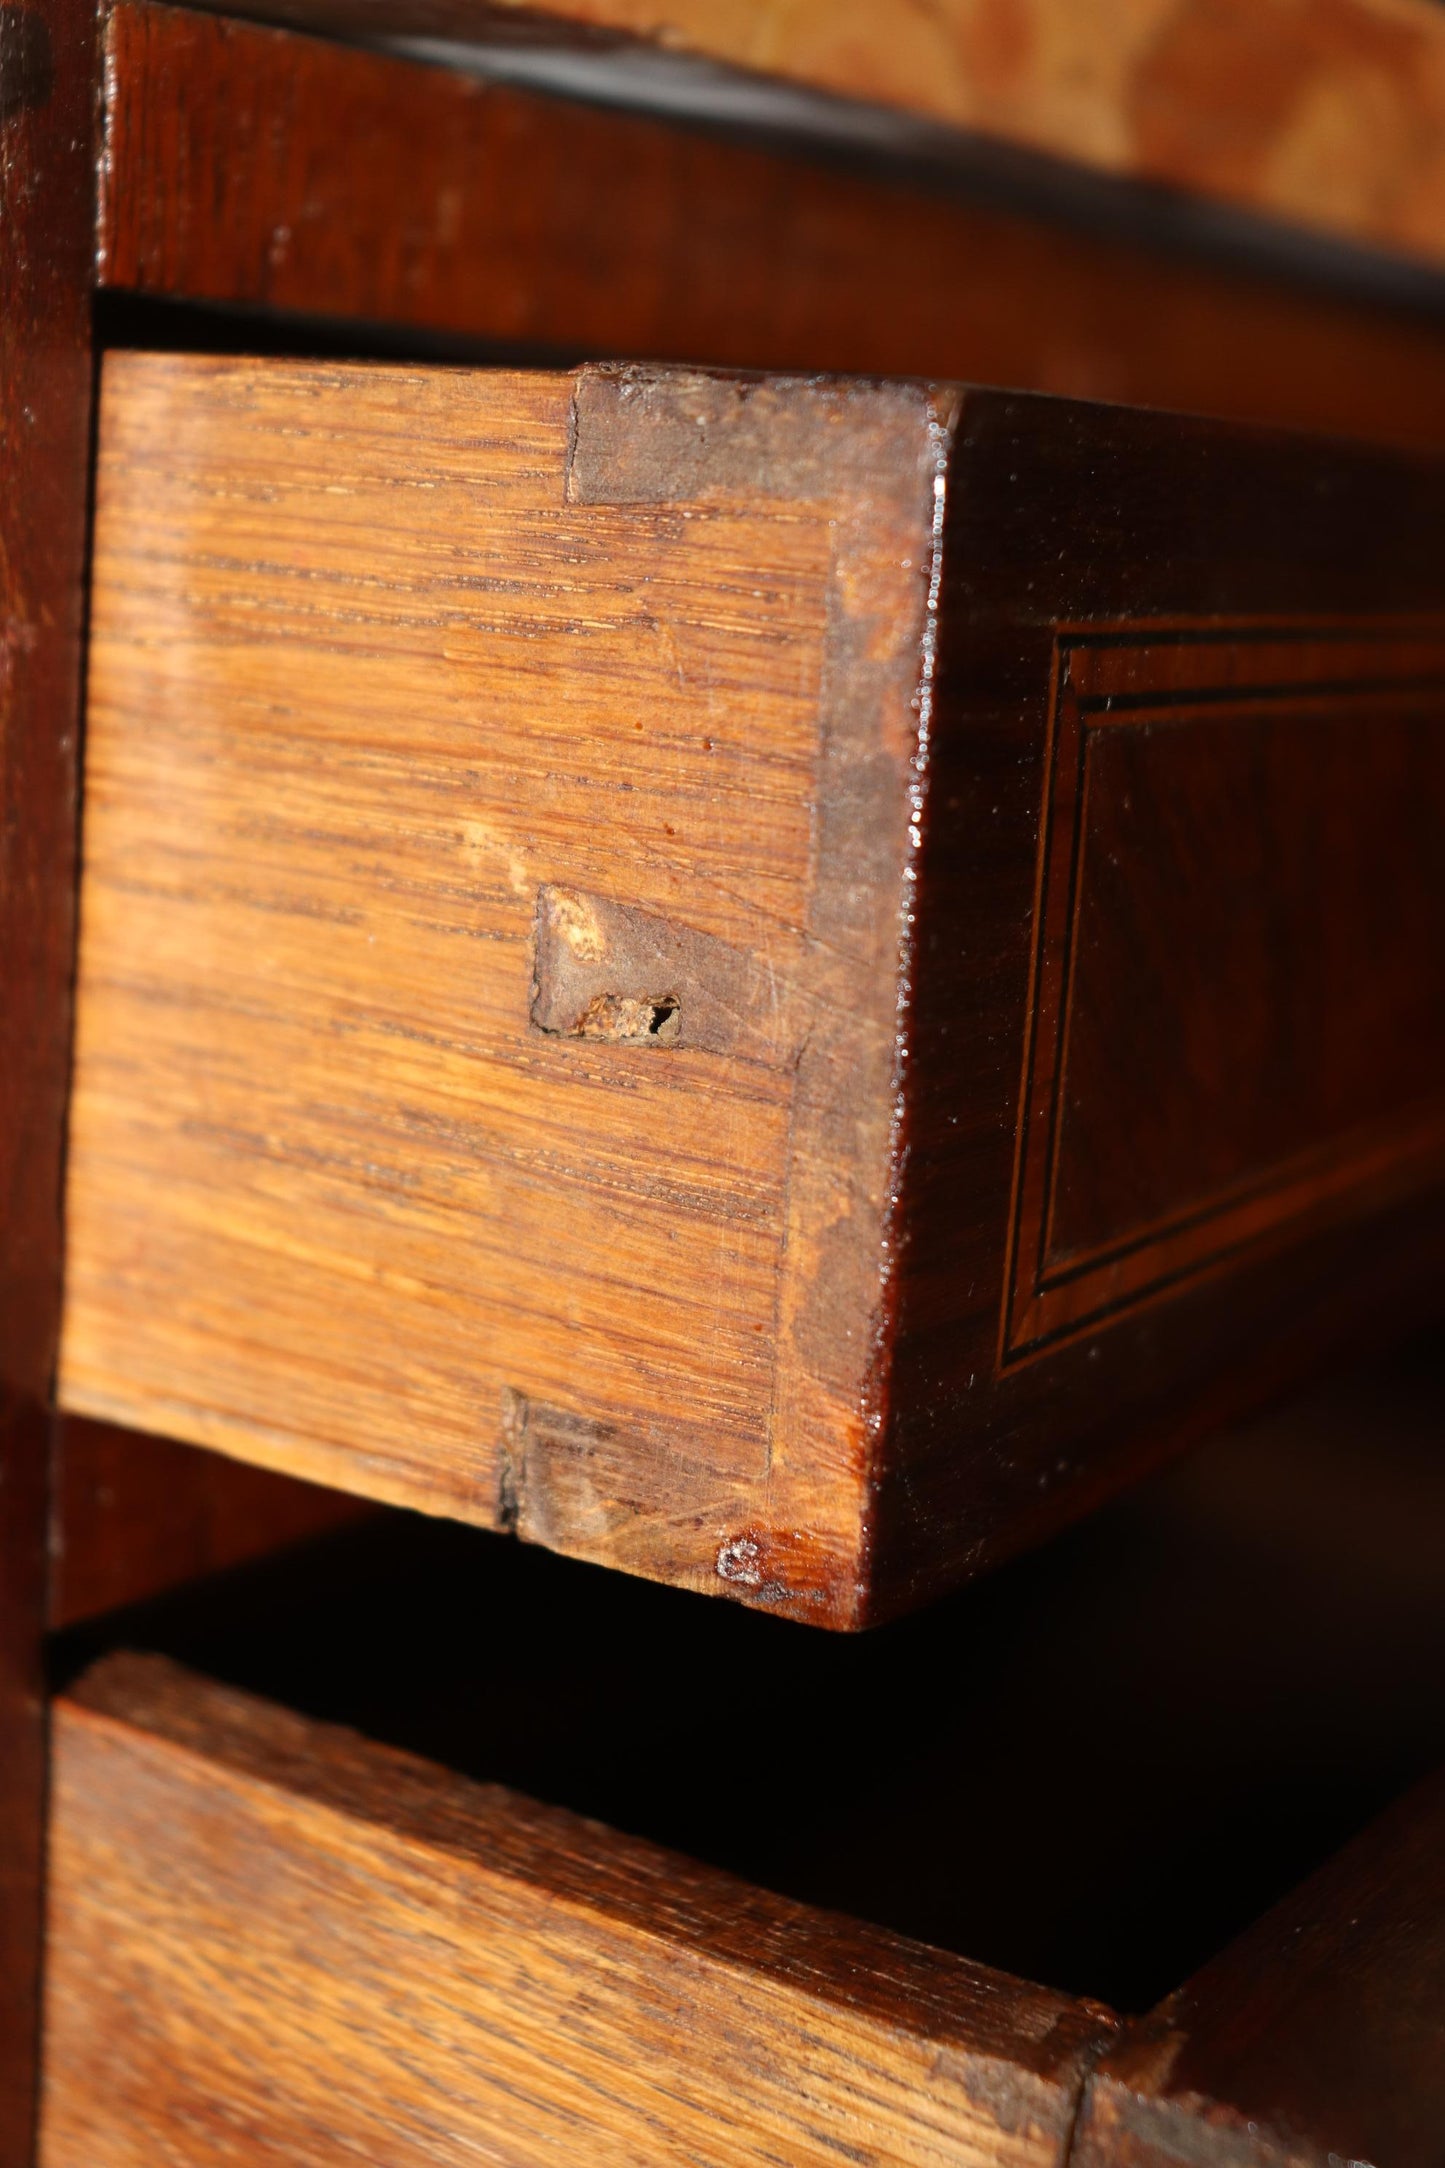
275,1940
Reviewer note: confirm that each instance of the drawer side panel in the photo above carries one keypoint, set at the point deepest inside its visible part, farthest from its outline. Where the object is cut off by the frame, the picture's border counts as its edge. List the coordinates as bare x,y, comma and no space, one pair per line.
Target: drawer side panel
385,661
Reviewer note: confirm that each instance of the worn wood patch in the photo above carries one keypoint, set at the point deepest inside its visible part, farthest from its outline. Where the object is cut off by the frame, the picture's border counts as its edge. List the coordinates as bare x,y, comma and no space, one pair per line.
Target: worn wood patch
603,970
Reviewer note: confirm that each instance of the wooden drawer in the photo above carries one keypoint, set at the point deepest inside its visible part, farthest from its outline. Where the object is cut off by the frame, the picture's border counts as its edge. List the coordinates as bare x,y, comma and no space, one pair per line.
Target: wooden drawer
272,1940
765,982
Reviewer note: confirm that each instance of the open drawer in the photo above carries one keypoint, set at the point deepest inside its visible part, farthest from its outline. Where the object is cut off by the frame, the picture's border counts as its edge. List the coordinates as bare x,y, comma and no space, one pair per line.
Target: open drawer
767,982
273,1940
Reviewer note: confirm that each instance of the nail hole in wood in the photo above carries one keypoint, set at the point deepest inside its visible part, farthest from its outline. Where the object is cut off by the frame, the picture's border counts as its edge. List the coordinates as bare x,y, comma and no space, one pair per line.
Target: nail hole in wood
628,1021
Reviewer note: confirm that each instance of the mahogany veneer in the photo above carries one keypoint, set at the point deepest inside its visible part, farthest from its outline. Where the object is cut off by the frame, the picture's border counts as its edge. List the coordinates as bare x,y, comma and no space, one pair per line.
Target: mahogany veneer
488,211
47,105
874,962
1328,113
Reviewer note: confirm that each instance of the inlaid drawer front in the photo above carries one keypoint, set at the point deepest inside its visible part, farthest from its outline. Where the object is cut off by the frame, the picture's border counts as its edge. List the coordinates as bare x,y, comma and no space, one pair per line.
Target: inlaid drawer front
763,981
1219,912
272,1942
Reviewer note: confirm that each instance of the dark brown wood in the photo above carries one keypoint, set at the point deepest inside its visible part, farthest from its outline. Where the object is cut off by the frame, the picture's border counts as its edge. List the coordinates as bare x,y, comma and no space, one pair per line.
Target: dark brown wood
271,1941
133,1515
1208,1005
232,175
1327,113
1181,702
1318,2038
46,216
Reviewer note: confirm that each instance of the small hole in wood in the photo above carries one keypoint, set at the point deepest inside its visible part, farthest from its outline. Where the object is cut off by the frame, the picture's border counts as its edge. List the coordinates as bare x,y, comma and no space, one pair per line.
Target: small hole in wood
627,1020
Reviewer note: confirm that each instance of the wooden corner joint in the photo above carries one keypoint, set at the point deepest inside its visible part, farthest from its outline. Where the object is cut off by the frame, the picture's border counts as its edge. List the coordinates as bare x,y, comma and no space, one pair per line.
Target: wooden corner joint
589,1488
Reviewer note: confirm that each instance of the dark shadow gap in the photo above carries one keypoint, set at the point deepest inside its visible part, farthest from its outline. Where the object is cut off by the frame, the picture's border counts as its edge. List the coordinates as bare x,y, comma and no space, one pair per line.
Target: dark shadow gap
1093,1769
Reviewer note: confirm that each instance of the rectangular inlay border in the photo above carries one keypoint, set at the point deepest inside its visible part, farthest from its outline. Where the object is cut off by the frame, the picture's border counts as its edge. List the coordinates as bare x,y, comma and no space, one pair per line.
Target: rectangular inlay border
1128,678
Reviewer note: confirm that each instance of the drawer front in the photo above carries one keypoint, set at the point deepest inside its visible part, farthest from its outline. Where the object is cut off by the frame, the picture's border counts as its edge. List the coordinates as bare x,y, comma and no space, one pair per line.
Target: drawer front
271,1942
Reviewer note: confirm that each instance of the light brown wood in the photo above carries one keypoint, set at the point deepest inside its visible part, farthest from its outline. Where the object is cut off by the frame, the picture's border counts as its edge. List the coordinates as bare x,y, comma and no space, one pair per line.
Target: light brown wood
1329,114
379,656
271,1942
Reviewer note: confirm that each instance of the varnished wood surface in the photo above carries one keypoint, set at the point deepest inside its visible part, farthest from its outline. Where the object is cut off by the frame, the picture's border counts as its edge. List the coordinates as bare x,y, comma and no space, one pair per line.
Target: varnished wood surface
133,1515
1155,645
1319,2037
496,213
393,1233
522,1071
270,1941
1266,1016
1328,114
47,60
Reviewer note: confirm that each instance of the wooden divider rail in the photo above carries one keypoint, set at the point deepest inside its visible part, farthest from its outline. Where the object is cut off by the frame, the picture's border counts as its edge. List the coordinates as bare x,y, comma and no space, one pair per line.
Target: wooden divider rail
1329,114
485,210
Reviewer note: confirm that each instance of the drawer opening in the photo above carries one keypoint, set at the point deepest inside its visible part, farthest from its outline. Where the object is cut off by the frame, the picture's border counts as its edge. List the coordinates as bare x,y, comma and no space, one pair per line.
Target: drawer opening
1091,1770
159,324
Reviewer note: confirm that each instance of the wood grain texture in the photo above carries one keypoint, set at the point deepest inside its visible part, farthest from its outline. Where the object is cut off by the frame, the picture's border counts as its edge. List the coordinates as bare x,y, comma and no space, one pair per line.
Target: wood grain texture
337,1202
1318,2037
47,59
131,1516
584,1024
270,1941
230,176
1329,114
